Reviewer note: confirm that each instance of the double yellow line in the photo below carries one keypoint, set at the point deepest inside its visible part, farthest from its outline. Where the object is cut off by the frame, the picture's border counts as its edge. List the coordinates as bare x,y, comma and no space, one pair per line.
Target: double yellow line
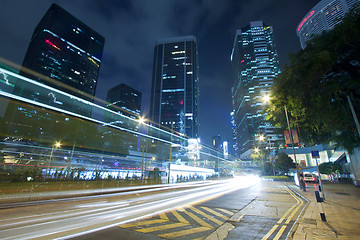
288,216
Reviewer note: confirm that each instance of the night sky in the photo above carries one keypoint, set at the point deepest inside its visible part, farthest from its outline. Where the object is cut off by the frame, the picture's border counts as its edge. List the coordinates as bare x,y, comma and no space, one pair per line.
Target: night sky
131,27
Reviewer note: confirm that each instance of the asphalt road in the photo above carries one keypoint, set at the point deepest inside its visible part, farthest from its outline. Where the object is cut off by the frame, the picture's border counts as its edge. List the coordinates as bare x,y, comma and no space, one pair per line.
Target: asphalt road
241,208
265,210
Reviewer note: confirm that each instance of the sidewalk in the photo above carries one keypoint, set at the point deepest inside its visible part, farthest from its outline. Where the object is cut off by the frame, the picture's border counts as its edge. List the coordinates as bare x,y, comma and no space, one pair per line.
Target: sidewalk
342,212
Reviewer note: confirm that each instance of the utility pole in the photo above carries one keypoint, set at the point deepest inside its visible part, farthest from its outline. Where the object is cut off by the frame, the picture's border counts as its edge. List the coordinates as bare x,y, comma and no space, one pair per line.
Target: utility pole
170,152
292,143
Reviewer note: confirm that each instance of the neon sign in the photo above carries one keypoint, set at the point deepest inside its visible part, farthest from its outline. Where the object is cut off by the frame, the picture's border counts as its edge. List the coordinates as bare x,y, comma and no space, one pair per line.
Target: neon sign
51,44
305,19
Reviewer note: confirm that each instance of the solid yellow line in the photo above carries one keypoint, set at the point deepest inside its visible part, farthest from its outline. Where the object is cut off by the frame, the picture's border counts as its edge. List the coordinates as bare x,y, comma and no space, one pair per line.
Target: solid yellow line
270,232
225,211
184,232
278,235
215,213
207,216
128,225
293,213
163,227
291,210
179,217
288,211
197,219
163,216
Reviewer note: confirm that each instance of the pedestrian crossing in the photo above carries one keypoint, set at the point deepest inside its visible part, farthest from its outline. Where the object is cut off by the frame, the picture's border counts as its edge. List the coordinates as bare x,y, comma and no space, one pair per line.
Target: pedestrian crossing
194,222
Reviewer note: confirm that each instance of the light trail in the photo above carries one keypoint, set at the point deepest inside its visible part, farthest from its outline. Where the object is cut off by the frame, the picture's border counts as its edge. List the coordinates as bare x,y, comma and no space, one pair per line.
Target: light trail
64,220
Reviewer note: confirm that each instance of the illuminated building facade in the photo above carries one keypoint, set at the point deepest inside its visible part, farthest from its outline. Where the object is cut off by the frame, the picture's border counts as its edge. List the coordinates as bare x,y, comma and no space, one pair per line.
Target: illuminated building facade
124,99
63,53
175,85
255,64
324,16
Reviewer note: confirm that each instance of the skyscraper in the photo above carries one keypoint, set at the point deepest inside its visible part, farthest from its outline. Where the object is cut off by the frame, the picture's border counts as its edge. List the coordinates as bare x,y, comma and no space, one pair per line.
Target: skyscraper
175,85
63,53
255,64
124,99
324,16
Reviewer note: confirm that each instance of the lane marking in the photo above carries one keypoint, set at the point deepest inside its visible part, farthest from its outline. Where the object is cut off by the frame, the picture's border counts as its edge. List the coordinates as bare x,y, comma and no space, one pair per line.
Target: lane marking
206,215
215,213
225,211
288,216
184,232
163,216
197,219
135,224
278,235
270,232
162,227
179,217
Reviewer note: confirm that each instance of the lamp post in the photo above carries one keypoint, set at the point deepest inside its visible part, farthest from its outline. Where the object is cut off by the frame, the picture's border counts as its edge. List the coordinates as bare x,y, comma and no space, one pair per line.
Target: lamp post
142,122
266,98
56,145
292,144
172,125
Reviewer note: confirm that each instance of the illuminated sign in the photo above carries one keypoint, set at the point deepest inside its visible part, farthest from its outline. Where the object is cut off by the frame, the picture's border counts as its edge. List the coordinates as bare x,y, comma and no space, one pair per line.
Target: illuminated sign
51,44
305,19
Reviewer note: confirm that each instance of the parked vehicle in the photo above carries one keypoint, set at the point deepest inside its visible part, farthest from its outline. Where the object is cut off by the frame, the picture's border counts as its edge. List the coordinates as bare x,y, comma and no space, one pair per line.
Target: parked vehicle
309,177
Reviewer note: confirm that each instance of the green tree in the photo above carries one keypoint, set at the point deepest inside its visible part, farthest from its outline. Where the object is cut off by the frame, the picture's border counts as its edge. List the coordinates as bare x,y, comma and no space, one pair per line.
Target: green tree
330,167
315,85
284,163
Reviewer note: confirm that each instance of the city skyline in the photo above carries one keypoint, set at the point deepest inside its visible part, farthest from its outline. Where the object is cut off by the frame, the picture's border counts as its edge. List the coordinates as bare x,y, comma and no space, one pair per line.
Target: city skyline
131,29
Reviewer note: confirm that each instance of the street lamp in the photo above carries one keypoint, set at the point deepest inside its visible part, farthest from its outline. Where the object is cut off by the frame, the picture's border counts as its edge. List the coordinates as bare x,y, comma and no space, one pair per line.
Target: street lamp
56,145
142,122
266,99
262,139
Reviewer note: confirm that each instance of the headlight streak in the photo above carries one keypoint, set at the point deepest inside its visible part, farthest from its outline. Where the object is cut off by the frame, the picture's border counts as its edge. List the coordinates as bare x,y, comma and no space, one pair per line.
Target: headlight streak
84,220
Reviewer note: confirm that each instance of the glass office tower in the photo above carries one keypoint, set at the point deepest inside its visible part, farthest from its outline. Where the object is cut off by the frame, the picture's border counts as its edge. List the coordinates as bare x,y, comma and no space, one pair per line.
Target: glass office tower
124,99
63,53
175,85
255,64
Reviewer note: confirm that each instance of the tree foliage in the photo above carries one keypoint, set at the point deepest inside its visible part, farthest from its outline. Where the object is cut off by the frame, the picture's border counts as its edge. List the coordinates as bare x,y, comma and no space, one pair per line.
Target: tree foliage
315,85
284,163
330,167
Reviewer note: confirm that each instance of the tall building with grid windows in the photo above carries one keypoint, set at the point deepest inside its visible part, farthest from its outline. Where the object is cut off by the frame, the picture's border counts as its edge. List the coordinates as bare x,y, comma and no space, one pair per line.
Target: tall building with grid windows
255,64
175,85
324,16
64,53
64,57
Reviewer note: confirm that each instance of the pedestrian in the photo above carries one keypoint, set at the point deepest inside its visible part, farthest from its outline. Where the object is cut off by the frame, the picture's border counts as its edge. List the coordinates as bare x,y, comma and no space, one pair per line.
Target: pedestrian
302,182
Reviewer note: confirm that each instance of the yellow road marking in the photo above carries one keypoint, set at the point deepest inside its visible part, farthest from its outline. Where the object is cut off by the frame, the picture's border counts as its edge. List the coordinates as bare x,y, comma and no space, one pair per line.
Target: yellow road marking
225,211
199,220
179,217
184,232
292,210
215,213
270,232
163,227
128,225
206,215
278,235
163,216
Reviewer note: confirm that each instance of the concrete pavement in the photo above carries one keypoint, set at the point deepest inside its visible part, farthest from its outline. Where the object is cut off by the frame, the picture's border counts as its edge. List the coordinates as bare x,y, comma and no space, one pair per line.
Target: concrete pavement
342,212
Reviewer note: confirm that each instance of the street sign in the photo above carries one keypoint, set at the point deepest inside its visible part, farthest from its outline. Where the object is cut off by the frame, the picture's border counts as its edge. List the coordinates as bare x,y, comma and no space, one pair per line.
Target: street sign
315,154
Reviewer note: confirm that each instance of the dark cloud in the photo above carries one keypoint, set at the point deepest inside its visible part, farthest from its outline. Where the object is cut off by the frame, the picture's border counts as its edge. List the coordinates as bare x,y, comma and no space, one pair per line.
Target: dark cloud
131,27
